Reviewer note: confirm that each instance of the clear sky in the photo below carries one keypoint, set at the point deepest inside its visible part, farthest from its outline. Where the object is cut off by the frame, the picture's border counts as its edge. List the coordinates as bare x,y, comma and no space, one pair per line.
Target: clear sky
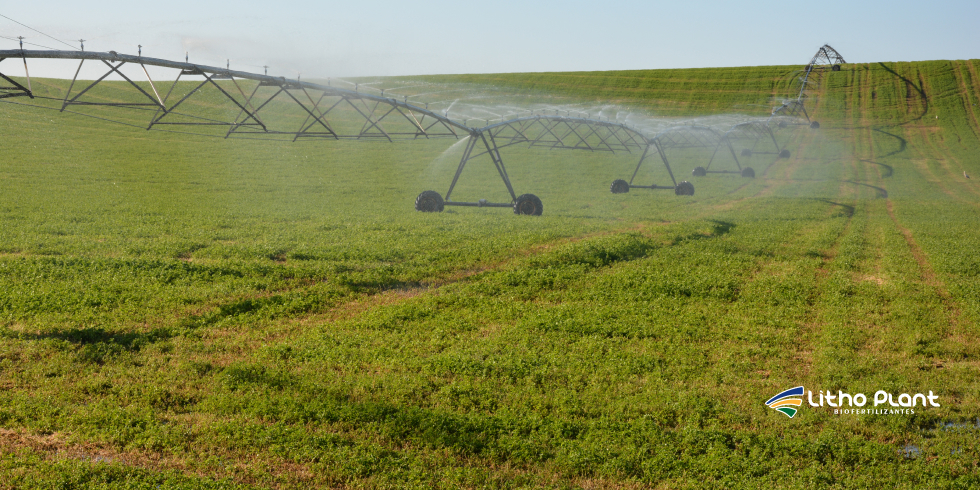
382,37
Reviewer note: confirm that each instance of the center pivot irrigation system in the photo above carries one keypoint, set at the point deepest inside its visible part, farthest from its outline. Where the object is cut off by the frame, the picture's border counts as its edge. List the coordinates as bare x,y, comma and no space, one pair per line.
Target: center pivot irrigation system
220,102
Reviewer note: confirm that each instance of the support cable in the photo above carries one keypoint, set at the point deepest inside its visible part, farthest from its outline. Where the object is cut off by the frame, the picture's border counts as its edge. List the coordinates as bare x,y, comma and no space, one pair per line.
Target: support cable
39,32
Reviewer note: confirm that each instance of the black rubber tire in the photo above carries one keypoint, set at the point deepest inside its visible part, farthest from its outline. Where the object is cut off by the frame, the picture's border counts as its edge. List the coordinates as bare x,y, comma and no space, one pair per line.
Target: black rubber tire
814,125
746,152
528,204
699,172
783,124
784,154
619,186
429,202
684,189
748,172
835,68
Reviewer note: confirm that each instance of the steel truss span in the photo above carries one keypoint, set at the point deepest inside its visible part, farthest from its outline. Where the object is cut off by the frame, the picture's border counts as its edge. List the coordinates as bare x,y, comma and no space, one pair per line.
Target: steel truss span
303,109
214,101
239,104
675,138
543,131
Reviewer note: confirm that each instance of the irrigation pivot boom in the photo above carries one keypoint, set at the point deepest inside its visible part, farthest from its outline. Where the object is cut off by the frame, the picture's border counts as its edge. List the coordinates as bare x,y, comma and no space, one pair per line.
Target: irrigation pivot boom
312,100
238,104
226,103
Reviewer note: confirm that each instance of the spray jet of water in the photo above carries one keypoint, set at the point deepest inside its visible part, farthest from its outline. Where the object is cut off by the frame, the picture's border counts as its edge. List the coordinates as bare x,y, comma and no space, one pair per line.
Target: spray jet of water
451,105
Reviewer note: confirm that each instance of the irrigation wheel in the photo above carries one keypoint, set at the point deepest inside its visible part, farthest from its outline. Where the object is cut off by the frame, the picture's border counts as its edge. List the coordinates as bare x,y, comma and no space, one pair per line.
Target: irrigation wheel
814,125
528,204
784,154
429,202
748,172
699,172
619,186
684,189
783,124
746,152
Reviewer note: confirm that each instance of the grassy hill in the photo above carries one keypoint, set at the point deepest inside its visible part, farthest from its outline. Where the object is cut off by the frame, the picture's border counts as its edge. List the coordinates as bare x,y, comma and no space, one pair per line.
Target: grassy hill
197,312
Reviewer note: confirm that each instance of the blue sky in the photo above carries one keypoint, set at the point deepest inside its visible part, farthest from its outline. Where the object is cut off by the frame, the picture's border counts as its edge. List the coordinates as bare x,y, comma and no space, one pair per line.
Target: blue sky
381,38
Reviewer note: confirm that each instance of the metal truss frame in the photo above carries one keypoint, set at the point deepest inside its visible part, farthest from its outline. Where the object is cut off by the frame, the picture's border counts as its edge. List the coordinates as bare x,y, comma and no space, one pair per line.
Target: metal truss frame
543,131
113,68
374,117
16,89
826,58
313,101
754,131
316,104
684,137
793,109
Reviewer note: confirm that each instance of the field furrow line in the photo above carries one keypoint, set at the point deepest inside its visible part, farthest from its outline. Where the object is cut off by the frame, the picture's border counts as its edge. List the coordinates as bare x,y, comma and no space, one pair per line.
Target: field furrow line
969,99
55,447
810,330
951,183
927,273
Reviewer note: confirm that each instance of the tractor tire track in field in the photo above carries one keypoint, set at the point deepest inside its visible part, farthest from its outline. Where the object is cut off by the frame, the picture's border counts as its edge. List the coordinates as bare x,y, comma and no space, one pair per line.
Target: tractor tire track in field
234,465
951,183
838,338
975,86
955,177
800,364
812,343
969,103
926,271
56,447
812,330
802,367
943,182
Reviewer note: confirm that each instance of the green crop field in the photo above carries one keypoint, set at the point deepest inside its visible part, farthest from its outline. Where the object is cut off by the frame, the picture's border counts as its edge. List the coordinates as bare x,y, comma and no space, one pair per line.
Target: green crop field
189,312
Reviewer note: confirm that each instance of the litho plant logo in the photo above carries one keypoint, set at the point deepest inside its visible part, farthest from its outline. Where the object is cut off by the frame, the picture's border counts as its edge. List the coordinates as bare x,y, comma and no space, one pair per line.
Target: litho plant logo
785,401
845,403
